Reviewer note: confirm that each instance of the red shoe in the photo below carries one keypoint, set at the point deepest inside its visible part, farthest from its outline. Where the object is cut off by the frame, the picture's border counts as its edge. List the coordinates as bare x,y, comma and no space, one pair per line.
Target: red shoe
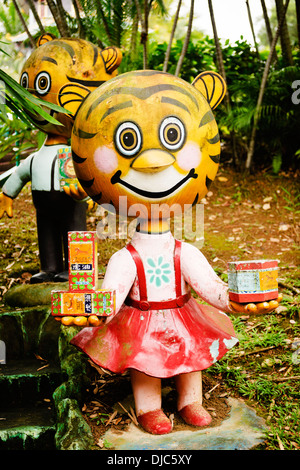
155,422
195,415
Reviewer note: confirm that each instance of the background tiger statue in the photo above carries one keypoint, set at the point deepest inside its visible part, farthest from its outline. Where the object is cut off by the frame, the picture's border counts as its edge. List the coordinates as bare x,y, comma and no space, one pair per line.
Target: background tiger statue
152,138
63,72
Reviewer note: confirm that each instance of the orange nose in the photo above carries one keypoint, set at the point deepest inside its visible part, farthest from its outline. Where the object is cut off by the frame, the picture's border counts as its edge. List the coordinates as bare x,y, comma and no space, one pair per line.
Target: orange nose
153,160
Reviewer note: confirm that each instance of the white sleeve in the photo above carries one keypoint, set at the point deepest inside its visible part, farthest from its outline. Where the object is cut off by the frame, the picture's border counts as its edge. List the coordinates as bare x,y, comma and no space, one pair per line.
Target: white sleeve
198,273
18,178
120,275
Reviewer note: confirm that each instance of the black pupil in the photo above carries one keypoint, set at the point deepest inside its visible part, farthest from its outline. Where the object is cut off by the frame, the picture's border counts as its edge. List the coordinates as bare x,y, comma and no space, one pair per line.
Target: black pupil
24,82
128,139
172,134
43,82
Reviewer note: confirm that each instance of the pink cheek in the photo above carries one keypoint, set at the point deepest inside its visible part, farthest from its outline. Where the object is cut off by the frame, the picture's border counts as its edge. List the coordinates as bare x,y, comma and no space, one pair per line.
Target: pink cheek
189,157
105,159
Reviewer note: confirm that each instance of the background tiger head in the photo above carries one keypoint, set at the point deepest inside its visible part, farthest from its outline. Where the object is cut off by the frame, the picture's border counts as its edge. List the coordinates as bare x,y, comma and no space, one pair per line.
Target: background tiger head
148,136
63,72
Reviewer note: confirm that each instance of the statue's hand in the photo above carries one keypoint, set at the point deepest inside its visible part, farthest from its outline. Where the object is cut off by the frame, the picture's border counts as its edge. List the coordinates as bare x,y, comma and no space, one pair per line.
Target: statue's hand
79,194
260,307
75,191
6,204
79,320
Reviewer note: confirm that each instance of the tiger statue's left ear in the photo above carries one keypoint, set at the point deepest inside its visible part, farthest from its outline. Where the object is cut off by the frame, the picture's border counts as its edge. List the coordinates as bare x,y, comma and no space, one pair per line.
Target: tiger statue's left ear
112,57
46,37
212,86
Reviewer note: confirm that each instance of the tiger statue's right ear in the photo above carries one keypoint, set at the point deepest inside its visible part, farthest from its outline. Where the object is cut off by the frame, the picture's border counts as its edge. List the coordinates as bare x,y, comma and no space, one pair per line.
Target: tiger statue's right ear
46,37
112,57
212,86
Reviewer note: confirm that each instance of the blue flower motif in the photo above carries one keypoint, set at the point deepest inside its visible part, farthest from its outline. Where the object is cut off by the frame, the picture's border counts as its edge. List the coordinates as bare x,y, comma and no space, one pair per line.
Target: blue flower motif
158,271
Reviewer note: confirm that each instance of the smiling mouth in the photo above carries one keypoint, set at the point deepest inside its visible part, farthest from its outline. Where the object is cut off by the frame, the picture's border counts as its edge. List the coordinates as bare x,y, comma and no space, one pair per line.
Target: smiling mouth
152,194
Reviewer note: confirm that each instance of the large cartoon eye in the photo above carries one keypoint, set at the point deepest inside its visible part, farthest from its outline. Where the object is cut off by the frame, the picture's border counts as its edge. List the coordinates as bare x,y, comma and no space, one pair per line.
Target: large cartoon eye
172,133
24,80
42,83
128,139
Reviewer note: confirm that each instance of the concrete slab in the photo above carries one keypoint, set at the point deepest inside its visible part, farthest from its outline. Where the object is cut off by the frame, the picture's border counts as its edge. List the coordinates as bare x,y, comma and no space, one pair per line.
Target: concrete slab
242,430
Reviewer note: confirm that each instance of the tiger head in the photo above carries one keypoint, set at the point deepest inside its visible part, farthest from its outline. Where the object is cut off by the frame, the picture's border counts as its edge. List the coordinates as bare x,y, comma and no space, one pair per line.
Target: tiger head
149,136
63,72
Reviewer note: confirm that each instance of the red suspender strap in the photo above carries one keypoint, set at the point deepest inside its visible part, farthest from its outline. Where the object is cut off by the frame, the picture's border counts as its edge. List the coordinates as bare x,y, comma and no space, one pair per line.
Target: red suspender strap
177,267
143,303
140,271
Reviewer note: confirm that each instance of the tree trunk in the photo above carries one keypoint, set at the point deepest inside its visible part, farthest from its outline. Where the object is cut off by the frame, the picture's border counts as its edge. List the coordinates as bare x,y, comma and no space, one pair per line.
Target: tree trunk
31,39
78,18
62,14
36,16
284,35
104,21
263,86
133,39
221,69
297,2
168,51
220,63
144,31
56,16
187,39
252,28
268,28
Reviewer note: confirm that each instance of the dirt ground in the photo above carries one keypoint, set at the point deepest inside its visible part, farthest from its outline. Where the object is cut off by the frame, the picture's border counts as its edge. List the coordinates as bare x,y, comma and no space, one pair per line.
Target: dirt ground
244,218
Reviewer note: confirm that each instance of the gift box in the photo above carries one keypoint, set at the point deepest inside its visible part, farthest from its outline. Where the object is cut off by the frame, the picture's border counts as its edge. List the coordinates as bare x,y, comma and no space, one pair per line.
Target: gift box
100,302
67,173
253,281
83,261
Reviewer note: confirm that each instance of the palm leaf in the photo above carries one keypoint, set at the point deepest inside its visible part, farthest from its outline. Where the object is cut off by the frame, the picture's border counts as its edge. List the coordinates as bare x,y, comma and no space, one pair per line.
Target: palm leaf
22,103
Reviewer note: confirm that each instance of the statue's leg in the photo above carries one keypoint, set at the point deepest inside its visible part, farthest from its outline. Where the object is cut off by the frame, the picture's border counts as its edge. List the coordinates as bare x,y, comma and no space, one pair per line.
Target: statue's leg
189,388
147,397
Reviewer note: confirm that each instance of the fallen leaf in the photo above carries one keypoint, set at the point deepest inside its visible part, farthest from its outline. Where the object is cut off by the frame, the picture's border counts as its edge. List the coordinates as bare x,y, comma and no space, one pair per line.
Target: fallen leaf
281,447
100,443
223,179
283,227
266,207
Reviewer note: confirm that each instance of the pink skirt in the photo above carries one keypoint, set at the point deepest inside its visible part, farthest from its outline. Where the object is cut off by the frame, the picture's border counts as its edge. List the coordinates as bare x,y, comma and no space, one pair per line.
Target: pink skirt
160,343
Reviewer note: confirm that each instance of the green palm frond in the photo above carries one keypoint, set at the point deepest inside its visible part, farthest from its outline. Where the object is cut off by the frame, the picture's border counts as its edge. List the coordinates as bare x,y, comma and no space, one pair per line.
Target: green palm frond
23,103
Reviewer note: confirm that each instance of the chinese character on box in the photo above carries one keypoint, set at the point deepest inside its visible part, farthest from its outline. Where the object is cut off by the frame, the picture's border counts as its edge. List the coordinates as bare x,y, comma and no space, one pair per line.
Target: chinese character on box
101,302
253,281
83,297
83,261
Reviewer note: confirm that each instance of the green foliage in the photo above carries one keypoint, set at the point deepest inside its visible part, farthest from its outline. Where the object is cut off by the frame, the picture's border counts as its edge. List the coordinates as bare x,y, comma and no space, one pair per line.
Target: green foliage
111,22
14,135
23,103
200,56
10,19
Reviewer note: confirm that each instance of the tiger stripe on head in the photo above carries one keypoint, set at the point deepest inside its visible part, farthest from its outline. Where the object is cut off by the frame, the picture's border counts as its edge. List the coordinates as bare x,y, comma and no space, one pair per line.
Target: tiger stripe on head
149,136
64,71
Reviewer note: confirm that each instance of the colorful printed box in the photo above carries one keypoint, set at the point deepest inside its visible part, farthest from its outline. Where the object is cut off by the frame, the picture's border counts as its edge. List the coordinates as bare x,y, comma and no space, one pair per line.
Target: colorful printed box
83,261
101,303
253,281
67,173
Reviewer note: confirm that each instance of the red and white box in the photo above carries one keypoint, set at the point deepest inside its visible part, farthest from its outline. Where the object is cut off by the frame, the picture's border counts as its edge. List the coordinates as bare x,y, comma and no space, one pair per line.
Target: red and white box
83,261
253,281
